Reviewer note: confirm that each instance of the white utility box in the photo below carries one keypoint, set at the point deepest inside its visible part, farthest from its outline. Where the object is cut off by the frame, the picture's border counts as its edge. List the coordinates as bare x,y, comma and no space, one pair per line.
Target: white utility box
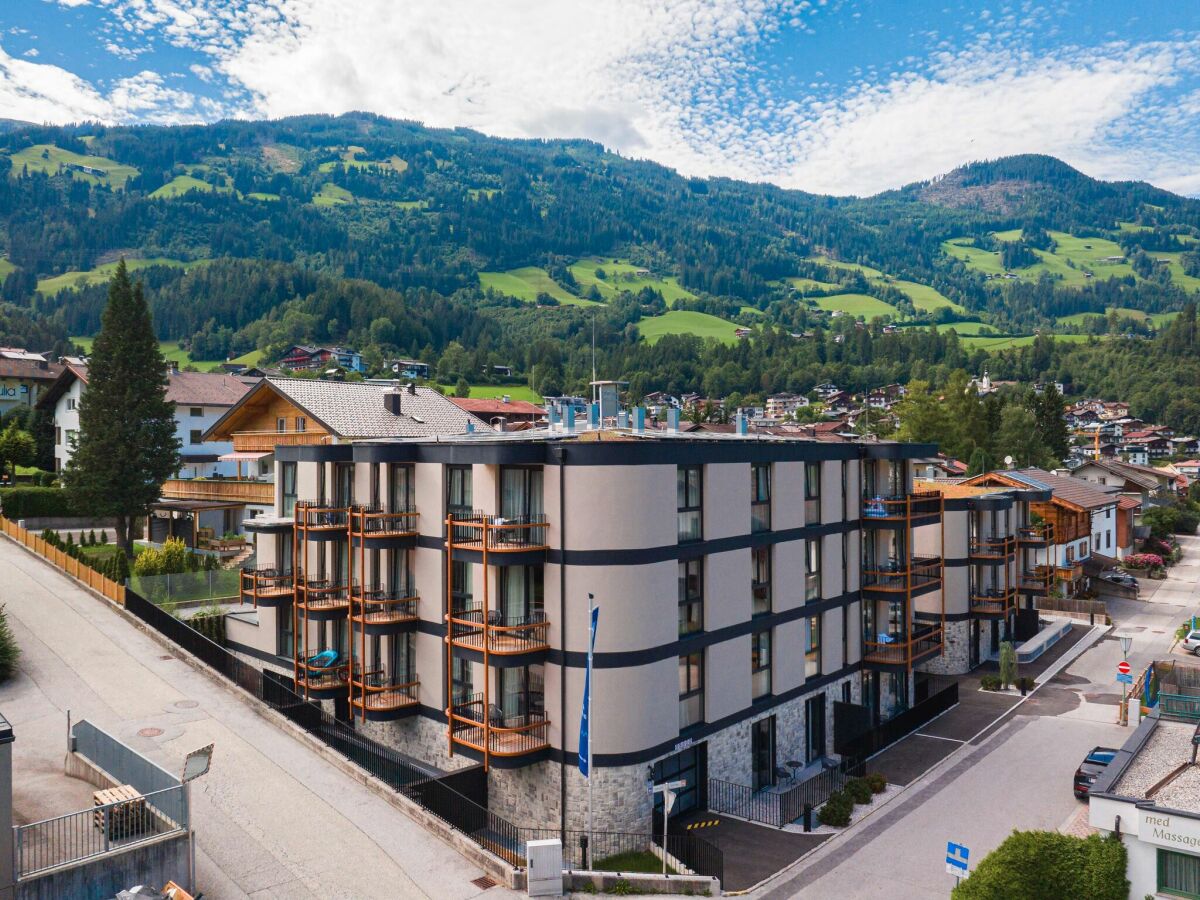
545,868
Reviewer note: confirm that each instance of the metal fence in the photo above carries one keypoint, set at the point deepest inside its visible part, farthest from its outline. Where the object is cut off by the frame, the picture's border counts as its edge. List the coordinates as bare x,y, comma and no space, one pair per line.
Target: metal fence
189,587
779,806
93,832
617,851
126,766
862,746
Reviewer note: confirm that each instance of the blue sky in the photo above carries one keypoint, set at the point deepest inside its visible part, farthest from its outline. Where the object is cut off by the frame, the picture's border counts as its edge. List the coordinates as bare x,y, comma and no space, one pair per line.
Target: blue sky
824,95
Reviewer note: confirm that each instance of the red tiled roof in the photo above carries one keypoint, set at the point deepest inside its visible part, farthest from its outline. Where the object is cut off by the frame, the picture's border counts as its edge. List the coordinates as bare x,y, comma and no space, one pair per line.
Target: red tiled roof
481,406
1128,503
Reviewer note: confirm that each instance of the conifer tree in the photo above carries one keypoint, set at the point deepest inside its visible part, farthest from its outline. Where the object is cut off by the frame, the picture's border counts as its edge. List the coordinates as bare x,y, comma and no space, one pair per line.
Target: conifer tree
127,445
9,651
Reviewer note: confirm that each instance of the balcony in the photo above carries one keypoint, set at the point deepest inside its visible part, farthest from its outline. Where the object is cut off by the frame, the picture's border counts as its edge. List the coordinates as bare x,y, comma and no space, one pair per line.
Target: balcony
925,506
486,729
1072,572
373,522
320,517
922,644
993,604
1037,580
320,678
220,490
267,441
474,530
267,586
321,599
378,697
502,635
1036,535
894,578
384,610
992,548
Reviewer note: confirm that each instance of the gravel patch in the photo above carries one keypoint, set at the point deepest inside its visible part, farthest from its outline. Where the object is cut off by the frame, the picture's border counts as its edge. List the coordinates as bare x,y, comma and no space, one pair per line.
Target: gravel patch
1168,748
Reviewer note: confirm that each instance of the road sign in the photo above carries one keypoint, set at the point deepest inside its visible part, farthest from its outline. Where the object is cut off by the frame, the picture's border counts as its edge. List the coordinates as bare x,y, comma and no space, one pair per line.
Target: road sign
956,859
1123,667
1124,678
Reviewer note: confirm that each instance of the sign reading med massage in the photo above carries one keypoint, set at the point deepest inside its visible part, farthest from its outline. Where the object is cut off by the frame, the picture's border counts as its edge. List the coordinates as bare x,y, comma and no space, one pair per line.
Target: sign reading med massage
1169,830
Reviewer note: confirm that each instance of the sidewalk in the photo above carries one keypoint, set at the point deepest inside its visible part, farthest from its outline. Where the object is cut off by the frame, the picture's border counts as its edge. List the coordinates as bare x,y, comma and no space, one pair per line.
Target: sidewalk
273,819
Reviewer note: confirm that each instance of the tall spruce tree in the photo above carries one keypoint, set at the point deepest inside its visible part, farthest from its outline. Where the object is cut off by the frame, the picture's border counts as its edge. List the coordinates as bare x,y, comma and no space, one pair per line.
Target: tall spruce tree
1052,423
127,445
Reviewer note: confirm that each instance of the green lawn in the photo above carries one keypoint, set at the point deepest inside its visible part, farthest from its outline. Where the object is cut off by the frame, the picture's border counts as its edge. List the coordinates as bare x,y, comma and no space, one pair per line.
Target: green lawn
961,328
350,159
924,297
253,358
1156,319
686,321
5,268
621,275
1187,282
526,283
260,195
488,193
496,391
856,305
1089,256
1004,342
171,352
51,286
48,158
849,267
410,204
181,184
331,195
805,285
640,861
282,157
982,261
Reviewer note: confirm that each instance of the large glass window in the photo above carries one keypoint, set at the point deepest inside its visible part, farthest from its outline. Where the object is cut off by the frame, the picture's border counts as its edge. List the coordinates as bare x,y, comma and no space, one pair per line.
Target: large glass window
343,484
285,637
691,596
812,570
521,494
688,492
812,647
691,689
460,585
522,693
458,491
812,493
400,488
287,488
461,676
1178,873
760,586
760,497
522,598
760,663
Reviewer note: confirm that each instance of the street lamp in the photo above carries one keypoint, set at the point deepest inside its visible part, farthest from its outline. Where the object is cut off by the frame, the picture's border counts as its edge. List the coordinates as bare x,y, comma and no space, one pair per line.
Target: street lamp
1126,641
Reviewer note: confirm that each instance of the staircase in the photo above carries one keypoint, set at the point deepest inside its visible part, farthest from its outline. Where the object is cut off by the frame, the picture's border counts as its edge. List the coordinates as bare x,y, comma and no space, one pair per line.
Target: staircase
241,559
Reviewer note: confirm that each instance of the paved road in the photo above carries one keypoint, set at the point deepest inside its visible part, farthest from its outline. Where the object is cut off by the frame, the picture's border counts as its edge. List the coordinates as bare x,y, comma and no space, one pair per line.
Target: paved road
1017,776
273,818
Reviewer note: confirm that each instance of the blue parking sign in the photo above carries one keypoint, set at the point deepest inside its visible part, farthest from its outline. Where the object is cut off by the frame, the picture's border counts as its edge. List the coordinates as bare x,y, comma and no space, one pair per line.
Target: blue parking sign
956,859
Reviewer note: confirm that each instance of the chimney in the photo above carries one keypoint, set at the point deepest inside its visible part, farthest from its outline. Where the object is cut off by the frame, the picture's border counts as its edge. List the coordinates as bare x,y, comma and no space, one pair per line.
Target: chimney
412,389
673,419
391,399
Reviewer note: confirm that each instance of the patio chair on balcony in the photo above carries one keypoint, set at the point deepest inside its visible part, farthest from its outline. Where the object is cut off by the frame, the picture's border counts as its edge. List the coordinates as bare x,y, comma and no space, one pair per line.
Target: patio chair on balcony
495,716
494,618
326,659
783,775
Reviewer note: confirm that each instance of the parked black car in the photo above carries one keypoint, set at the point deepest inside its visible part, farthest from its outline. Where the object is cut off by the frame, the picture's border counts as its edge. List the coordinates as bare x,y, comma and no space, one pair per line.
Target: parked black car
1093,764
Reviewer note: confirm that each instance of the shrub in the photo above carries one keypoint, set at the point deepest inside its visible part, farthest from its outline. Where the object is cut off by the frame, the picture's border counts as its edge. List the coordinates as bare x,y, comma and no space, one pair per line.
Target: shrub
859,790
836,811
990,682
1025,683
877,782
211,624
103,537
9,651
37,502
1143,561
1048,864
92,537
1008,664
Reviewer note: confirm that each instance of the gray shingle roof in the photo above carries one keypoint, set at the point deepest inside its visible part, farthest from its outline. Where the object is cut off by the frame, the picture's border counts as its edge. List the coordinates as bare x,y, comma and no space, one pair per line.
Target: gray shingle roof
1073,490
356,410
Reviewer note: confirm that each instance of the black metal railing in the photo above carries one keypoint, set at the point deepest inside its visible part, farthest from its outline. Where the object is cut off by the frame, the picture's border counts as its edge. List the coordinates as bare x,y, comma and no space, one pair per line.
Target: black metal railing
504,533
505,634
375,521
780,805
608,851
489,728
942,698
380,605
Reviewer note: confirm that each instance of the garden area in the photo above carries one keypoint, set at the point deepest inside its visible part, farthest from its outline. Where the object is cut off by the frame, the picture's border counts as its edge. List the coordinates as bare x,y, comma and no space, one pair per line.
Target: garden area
838,810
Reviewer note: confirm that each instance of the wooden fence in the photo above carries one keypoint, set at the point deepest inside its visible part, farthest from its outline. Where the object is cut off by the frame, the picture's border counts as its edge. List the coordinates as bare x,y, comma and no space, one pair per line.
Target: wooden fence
1095,611
73,567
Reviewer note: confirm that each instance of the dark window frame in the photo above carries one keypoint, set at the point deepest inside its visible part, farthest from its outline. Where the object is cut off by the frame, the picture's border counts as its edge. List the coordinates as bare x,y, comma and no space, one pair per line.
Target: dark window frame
760,590
689,502
691,605
760,497
688,693
812,493
760,663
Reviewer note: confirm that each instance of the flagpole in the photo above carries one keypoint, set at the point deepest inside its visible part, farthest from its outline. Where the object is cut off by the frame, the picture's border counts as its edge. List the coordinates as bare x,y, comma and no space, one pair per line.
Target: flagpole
591,780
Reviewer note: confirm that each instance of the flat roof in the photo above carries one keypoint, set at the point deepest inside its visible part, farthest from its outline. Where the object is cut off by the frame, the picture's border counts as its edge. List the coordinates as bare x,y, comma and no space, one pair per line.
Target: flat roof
1167,752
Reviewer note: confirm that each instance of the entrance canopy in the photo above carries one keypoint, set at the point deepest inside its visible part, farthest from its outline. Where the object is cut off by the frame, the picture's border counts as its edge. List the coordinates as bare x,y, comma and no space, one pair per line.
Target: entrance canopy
241,456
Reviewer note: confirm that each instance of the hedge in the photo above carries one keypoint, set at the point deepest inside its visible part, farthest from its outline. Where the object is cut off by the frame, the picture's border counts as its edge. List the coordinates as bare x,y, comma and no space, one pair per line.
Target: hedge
1039,865
37,502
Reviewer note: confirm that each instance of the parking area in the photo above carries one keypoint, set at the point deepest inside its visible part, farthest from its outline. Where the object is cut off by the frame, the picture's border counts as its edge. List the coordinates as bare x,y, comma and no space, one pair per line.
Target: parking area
752,852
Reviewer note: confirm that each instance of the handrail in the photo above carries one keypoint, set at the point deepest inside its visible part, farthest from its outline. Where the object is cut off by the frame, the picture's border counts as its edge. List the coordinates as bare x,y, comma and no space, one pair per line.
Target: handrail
526,532
915,503
1043,533
903,651
375,522
504,634
1002,546
328,516
500,739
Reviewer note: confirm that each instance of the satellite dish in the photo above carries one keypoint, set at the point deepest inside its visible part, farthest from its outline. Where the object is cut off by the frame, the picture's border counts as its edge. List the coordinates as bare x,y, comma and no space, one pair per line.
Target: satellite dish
1008,461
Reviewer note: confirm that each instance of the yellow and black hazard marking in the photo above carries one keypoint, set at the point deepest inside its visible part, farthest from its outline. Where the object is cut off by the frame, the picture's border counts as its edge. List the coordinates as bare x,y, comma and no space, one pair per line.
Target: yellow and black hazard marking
707,823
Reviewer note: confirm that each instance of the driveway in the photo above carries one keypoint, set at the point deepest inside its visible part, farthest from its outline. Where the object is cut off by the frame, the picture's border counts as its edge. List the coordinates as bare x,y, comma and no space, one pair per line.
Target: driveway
273,819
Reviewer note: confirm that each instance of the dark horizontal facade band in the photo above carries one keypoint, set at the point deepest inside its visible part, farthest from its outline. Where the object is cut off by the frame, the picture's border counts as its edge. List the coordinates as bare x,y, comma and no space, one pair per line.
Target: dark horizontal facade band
673,450
938,617
619,659
642,556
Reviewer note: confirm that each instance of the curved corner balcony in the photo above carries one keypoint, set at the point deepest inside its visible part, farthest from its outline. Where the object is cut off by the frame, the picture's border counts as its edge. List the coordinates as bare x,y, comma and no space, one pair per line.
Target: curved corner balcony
384,610
474,530
378,697
499,634
900,652
908,510
321,681
267,586
320,521
489,730
322,599
993,604
377,526
992,550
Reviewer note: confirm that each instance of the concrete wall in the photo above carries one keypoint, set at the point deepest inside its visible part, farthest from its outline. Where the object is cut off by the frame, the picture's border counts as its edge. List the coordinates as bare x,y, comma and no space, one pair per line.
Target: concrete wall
153,862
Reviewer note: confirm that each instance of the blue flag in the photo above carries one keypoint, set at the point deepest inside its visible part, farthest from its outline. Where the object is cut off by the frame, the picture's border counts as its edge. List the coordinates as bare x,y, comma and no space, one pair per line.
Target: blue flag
585,747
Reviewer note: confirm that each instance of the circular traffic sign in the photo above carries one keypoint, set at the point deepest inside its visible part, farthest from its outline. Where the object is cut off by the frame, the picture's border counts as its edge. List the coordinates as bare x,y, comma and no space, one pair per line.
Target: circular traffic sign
1123,667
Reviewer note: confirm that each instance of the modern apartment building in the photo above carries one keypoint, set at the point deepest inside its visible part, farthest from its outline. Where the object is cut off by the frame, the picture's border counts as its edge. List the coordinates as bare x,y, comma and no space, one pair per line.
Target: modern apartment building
436,592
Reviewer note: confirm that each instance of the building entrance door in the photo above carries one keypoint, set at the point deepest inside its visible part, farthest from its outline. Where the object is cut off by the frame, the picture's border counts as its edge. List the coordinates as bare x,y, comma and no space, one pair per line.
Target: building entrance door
689,765
762,752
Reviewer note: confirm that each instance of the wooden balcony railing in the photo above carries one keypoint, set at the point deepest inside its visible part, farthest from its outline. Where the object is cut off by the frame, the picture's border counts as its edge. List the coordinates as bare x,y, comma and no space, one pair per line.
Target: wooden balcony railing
475,531
895,577
267,584
224,490
993,603
920,645
316,677
267,441
321,517
487,729
384,606
372,522
993,548
1072,572
374,693
1038,579
894,509
1038,535
504,635
321,595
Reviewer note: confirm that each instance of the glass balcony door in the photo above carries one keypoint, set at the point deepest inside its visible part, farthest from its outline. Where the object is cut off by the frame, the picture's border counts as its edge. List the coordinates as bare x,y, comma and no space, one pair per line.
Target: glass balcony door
521,498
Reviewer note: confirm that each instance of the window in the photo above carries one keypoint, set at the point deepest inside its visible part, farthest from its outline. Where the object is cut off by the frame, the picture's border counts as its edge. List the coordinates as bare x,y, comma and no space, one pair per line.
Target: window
760,497
281,424
287,479
461,594
812,647
812,570
57,437
285,638
1108,540
521,494
460,677
812,493
760,664
195,411
194,436
1178,873
458,490
522,594
72,403
760,585
343,484
845,490
522,692
691,596
691,689
400,488
301,423
687,483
